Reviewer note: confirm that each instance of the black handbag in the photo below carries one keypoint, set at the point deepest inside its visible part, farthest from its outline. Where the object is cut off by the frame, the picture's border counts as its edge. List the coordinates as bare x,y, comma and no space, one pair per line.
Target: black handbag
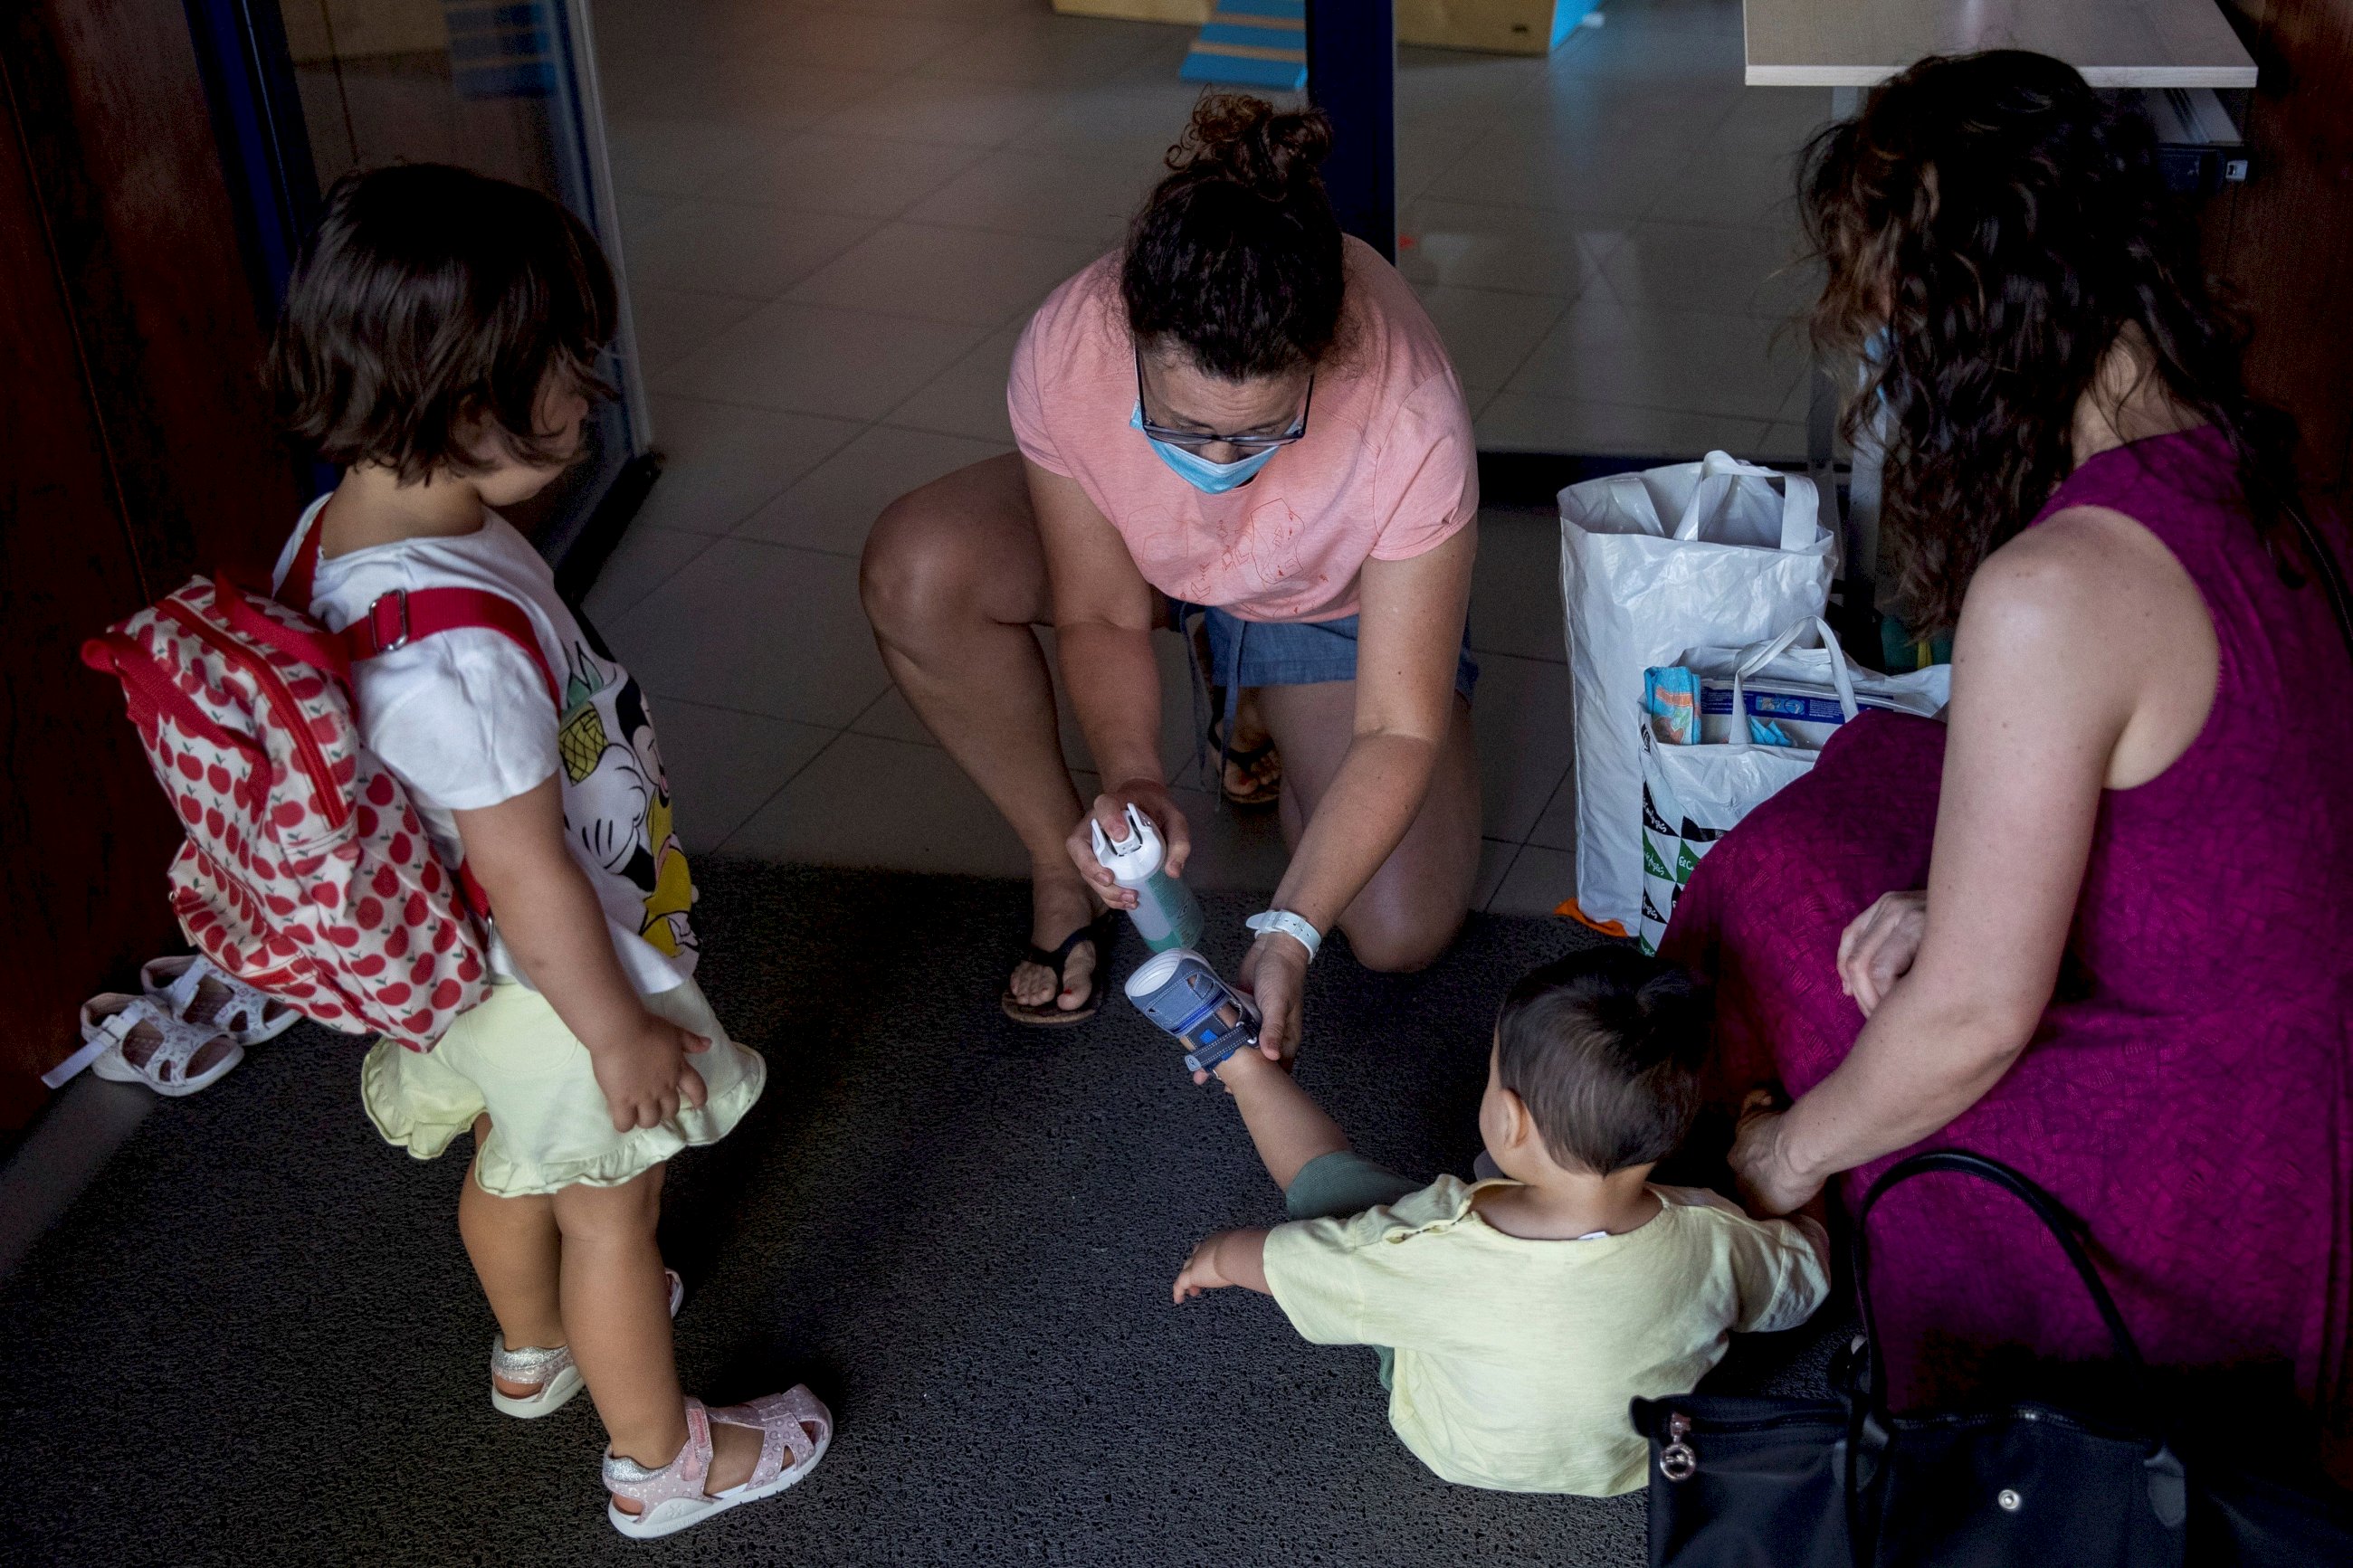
2089,1481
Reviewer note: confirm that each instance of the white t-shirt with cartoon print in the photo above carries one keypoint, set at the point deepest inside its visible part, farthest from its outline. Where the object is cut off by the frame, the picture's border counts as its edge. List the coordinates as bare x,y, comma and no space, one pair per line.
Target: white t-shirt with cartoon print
463,720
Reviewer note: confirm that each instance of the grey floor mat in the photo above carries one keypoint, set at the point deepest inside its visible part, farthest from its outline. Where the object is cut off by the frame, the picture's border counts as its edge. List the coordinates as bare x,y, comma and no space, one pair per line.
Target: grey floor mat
256,1339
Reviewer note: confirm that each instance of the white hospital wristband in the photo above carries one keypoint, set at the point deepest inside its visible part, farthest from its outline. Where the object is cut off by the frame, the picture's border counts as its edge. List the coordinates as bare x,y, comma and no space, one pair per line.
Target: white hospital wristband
1290,925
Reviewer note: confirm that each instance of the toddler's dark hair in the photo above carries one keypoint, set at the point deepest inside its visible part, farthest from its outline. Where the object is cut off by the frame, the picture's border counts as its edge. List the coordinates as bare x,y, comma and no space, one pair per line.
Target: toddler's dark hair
431,301
1604,1047
1238,255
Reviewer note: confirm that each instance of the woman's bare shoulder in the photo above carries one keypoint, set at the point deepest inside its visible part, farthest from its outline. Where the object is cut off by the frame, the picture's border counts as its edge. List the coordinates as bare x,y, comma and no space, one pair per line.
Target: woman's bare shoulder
2090,610
2091,569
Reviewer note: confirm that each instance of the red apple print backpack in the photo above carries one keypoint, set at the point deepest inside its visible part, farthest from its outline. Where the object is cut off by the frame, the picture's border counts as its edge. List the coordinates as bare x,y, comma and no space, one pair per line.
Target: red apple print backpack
306,872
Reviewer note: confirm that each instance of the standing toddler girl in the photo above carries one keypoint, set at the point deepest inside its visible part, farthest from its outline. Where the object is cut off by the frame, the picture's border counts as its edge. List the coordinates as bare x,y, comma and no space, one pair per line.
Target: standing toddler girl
438,343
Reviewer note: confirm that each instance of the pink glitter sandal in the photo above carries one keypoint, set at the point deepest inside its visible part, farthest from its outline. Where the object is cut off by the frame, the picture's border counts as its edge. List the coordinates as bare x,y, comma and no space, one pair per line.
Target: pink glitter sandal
672,1497
550,1367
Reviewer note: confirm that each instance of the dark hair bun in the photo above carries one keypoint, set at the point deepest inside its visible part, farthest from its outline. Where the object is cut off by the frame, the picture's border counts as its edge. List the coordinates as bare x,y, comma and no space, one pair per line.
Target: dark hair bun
1273,152
1238,257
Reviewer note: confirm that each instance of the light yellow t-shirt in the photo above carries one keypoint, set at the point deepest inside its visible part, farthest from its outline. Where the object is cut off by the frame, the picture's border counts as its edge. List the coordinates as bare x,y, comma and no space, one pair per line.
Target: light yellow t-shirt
1516,1359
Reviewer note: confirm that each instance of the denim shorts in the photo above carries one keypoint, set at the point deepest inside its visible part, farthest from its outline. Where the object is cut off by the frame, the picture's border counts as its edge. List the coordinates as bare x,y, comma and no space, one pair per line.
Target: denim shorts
1291,653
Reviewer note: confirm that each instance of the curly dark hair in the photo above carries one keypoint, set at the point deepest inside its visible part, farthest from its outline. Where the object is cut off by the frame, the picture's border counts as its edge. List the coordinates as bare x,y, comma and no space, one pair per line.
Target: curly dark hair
1991,227
432,307
1237,256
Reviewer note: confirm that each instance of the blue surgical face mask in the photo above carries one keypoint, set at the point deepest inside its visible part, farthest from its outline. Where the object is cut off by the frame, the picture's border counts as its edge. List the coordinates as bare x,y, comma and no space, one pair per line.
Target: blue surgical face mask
1212,479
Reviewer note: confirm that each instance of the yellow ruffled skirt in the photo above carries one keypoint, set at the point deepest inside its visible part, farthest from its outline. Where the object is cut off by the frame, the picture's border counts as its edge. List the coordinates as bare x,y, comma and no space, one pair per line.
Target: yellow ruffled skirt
550,1128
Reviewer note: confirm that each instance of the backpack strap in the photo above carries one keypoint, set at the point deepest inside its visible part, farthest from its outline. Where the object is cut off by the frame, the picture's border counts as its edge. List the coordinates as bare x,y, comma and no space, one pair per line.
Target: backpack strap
400,617
301,572
405,614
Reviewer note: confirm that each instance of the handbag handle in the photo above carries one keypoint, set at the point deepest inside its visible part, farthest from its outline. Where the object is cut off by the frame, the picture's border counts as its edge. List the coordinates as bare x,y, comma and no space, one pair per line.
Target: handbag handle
2054,1217
1869,1430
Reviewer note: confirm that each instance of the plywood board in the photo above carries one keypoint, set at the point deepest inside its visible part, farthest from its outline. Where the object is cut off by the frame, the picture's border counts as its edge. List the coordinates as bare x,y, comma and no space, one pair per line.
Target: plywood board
1496,27
1194,12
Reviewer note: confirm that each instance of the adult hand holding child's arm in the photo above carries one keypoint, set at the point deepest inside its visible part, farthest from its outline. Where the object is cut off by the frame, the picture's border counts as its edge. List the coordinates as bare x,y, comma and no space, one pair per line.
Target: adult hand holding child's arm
1227,1257
1767,1188
550,918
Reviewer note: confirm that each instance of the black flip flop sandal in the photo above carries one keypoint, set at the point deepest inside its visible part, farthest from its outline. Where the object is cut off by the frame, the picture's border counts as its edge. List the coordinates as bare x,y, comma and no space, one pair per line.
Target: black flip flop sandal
1049,1013
1246,758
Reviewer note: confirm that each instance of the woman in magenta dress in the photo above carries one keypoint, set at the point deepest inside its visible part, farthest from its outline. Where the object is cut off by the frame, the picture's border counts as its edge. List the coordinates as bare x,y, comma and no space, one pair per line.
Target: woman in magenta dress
2130,971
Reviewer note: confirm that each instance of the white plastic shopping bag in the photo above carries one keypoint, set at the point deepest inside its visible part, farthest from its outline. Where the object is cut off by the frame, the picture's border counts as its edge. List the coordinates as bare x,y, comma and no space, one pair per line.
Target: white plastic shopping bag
1692,796
1805,690
1744,555
1695,794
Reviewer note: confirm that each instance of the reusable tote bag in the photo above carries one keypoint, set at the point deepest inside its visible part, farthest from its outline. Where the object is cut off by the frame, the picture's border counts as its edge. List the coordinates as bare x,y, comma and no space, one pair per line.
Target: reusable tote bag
1745,555
1695,794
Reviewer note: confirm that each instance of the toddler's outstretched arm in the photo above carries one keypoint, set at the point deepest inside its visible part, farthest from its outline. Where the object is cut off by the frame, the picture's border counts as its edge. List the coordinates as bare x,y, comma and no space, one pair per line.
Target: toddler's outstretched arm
552,922
1289,1128
1227,1257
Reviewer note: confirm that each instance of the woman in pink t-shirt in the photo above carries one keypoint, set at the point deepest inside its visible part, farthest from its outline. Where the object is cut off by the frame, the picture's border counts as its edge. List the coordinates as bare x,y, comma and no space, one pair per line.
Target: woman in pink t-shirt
1245,416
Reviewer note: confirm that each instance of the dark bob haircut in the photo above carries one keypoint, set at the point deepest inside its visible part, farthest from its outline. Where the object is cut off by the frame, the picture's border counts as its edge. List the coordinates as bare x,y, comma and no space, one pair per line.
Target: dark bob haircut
1604,1047
1236,257
430,311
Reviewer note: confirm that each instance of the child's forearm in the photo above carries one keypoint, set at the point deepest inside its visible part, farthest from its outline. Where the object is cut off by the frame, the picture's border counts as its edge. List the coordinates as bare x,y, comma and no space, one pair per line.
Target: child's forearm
547,913
1288,1126
559,937
1240,1259
1228,1257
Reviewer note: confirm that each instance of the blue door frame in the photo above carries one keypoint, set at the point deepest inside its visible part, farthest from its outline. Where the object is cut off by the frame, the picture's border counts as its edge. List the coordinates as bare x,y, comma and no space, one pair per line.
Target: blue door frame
257,121
1351,77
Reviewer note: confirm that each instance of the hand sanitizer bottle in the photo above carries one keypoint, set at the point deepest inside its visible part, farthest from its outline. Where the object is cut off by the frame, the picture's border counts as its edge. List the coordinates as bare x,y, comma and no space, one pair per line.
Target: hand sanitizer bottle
1166,914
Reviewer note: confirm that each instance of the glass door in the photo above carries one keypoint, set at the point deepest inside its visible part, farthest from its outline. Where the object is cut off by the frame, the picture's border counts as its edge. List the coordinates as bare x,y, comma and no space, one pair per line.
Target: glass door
306,90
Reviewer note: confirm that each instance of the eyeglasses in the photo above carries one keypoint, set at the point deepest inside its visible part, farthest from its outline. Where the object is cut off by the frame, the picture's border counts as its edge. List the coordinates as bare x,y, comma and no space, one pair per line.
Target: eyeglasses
1193,440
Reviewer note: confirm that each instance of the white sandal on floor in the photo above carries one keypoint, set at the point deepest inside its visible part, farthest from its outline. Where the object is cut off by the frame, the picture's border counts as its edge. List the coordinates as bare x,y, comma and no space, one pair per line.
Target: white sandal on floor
194,991
111,1021
550,1366
673,1498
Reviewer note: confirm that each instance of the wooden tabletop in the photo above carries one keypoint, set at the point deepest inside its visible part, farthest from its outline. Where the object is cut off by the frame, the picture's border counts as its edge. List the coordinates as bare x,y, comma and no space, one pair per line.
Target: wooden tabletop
2114,42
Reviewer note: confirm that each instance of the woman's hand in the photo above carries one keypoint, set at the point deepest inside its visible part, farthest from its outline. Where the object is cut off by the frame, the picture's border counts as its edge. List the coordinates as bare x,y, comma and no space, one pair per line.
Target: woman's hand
1149,797
1768,1185
1879,945
1274,972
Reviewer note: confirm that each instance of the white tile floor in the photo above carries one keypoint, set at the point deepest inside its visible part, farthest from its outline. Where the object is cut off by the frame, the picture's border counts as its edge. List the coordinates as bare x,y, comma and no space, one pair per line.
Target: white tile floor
836,214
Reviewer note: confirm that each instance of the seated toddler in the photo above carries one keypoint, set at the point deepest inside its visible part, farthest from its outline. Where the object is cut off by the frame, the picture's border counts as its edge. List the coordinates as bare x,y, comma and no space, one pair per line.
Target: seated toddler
1517,1317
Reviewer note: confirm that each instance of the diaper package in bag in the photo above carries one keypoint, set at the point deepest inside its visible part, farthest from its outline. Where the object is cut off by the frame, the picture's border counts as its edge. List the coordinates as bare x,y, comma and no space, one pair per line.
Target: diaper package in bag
1704,765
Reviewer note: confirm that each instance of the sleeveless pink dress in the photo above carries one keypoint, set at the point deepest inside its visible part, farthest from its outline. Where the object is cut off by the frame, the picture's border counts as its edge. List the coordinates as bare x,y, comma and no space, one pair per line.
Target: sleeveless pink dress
2190,1092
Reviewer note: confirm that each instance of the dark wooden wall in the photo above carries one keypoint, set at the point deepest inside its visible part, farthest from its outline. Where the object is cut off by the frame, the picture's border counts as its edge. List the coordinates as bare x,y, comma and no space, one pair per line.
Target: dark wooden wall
133,449
2286,238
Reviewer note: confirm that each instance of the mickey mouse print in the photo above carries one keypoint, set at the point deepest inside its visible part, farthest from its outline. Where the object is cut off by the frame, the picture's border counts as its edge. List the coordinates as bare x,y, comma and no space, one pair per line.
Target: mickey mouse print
617,805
